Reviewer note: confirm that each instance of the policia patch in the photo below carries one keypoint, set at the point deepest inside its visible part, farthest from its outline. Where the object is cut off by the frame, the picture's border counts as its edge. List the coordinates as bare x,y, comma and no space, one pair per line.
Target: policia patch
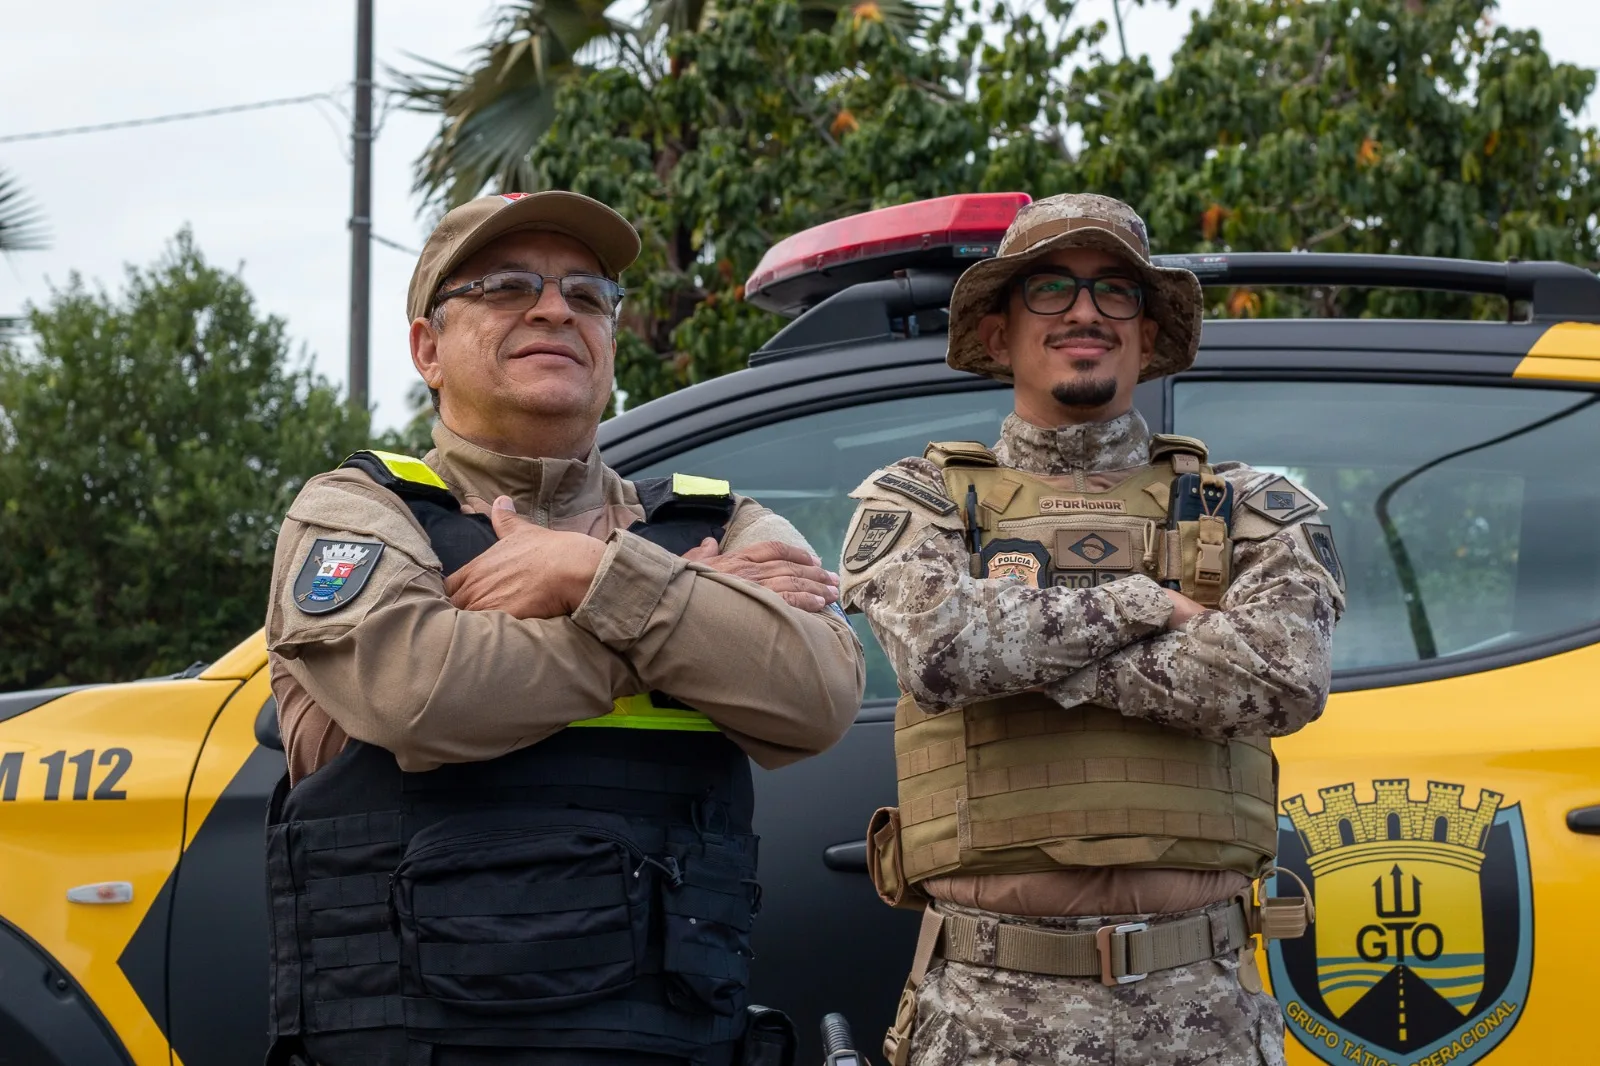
334,572
875,533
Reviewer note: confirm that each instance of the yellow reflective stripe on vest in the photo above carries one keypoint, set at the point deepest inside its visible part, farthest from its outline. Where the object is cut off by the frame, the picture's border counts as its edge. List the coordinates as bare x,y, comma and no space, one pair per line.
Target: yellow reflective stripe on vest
690,485
638,712
406,468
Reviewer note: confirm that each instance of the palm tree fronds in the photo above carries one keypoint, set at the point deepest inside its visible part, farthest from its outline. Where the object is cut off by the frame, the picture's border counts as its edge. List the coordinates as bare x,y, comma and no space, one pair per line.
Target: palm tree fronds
494,109
22,226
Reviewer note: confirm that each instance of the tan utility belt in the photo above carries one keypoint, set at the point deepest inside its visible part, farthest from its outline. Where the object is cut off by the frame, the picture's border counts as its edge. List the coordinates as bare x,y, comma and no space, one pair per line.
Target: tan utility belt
1117,953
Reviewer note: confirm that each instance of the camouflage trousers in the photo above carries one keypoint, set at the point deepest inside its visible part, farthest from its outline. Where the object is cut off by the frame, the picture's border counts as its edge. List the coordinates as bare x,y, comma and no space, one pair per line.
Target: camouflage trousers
1196,1015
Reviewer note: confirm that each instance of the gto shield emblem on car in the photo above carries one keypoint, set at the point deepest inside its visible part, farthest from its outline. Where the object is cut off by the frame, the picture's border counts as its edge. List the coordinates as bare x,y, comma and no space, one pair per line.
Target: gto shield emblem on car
333,573
1422,946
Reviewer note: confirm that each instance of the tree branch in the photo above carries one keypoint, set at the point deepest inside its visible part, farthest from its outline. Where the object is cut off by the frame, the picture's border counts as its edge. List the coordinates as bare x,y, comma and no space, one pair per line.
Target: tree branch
805,109
1328,234
1317,65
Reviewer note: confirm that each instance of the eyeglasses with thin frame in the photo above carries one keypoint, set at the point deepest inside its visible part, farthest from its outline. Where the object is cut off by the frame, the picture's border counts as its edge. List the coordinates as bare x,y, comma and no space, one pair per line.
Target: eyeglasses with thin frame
518,290
1054,292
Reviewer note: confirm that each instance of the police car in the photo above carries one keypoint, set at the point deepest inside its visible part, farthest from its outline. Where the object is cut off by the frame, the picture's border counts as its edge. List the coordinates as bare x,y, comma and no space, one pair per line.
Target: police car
1445,810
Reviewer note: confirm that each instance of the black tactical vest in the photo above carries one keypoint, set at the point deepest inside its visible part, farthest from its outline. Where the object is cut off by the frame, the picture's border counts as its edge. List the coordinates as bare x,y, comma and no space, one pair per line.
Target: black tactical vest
595,890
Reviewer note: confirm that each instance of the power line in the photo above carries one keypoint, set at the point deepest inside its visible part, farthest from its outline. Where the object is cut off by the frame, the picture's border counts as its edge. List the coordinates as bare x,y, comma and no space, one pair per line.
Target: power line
175,117
394,244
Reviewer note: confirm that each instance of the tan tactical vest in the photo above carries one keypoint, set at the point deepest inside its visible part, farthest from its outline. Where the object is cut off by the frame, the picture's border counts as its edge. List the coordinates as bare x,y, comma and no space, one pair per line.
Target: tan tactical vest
1019,784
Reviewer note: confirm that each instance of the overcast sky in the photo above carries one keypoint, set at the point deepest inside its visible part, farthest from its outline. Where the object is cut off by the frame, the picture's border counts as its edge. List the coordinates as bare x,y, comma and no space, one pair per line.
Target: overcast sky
269,191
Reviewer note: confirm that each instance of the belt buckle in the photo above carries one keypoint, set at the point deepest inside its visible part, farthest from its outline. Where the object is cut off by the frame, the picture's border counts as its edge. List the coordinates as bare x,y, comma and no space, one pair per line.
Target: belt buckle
1102,943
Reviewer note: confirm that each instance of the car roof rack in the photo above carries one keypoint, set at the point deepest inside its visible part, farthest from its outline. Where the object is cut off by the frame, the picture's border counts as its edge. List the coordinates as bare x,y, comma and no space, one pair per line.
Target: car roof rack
1556,292
913,302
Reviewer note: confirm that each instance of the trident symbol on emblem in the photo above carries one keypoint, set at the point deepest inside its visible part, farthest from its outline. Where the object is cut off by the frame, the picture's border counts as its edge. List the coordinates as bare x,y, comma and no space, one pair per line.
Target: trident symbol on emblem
1399,910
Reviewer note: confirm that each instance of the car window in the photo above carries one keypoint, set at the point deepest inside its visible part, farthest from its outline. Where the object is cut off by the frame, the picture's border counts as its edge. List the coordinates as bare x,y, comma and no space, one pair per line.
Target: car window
804,467
1464,516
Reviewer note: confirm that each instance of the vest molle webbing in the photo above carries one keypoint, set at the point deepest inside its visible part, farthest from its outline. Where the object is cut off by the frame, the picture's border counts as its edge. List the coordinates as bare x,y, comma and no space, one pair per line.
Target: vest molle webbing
1021,784
593,891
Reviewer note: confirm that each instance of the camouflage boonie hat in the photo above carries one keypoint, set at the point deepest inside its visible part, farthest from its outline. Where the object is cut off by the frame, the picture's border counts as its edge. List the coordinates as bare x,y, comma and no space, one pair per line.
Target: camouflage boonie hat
1076,220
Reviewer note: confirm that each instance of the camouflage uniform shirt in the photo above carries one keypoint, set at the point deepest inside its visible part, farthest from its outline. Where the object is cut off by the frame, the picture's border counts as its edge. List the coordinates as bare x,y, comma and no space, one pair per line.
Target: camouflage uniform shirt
1258,666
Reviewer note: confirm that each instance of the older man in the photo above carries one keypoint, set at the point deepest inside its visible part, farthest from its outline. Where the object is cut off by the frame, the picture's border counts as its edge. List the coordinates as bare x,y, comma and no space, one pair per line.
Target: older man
518,693
1097,632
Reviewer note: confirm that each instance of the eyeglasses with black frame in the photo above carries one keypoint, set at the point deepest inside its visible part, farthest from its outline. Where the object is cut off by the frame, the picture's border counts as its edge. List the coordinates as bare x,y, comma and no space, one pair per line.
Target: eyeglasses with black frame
1054,292
518,290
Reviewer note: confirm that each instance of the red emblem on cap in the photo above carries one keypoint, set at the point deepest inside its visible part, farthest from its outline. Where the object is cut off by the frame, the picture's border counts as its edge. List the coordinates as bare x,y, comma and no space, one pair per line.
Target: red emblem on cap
510,196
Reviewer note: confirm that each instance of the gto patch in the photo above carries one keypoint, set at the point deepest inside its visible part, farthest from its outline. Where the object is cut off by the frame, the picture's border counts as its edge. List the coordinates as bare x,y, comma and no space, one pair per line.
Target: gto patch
1014,557
334,573
1057,504
936,502
1422,947
876,532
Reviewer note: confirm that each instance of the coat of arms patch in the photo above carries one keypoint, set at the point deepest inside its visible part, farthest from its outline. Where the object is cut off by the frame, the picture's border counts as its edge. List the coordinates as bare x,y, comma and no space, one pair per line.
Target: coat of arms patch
334,572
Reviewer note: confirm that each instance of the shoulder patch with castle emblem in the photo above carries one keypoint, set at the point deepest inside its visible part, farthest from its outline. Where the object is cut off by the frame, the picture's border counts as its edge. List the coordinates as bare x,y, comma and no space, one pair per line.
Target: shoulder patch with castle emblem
1281,501
877,529
933,501
334,573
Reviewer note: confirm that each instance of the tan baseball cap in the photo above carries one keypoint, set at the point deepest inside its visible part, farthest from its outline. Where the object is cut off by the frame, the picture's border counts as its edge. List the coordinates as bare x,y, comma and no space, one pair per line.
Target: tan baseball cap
470,227
1076,220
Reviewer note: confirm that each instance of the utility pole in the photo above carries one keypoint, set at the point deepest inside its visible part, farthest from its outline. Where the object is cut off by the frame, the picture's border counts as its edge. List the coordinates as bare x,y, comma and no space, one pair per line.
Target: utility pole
361,208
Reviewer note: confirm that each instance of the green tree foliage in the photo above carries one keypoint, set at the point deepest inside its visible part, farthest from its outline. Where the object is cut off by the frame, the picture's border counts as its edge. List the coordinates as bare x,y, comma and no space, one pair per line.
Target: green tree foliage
416,436
1342,125
1387,126
149,443
503,102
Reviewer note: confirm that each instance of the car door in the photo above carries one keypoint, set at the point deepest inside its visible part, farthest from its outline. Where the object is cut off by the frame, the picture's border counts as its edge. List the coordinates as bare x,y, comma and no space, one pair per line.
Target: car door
218,939
1441,808
93,785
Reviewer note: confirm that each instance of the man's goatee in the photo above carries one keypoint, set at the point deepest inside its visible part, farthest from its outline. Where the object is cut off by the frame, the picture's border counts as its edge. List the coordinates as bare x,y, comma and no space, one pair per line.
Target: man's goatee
1095,392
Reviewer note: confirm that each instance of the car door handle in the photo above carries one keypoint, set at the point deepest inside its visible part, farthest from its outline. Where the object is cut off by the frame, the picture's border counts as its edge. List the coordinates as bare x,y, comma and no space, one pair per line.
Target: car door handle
848,858
1584,820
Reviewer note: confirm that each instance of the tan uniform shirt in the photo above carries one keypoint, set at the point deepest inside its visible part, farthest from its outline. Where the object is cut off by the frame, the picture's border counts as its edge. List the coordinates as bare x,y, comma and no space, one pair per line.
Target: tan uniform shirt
400,667
1259,666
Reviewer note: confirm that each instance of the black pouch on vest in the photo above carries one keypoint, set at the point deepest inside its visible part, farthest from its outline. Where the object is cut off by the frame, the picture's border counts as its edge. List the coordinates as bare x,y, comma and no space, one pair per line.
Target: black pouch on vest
707,914
519,912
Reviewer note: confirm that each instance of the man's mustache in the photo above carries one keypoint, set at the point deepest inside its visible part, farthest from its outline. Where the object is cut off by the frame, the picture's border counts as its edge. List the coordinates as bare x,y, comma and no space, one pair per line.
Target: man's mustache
1096,333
